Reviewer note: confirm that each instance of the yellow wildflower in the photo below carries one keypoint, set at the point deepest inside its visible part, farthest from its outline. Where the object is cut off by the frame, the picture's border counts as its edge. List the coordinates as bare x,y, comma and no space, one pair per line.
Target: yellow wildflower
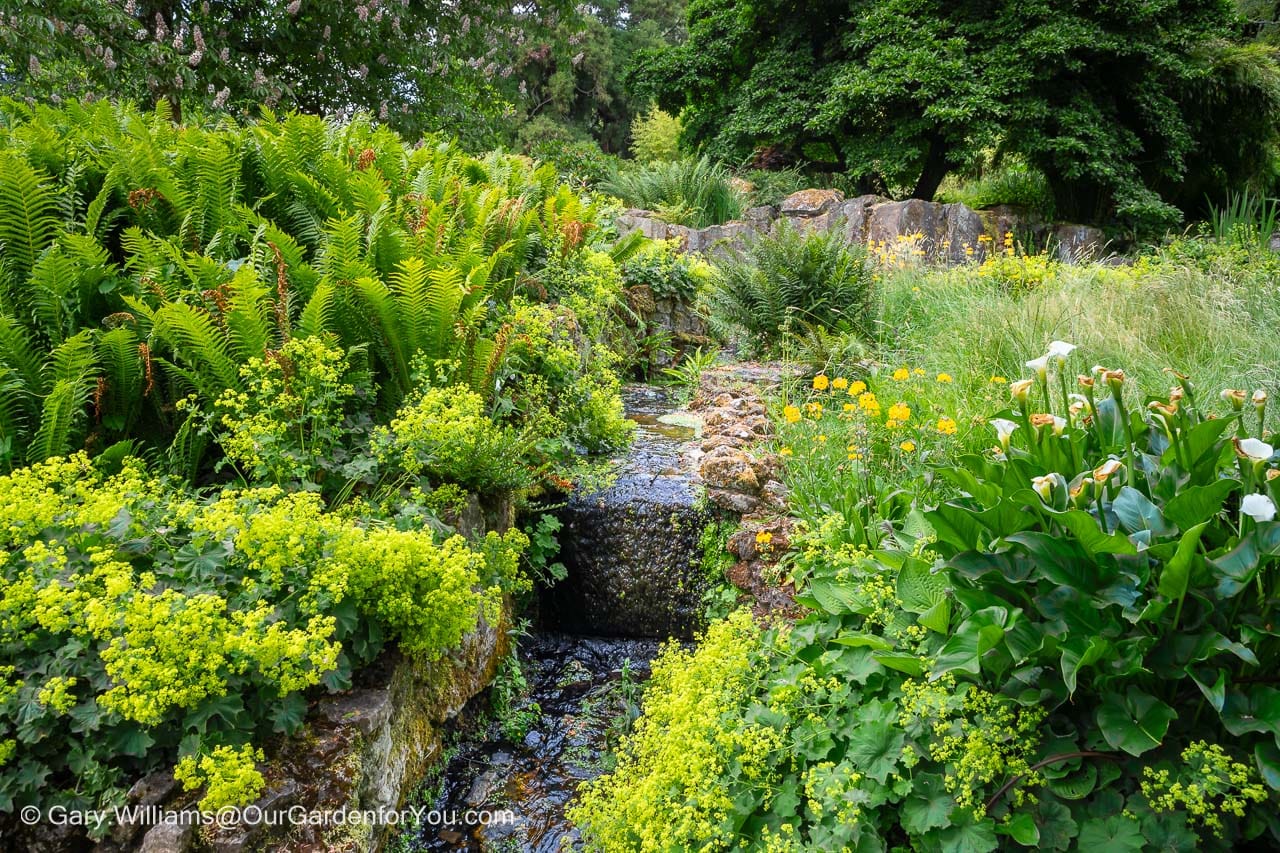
839,383
999,380
785,451
858,387
944,377
901,375
764,537
791,413
821,382
908,446
947,426
900,412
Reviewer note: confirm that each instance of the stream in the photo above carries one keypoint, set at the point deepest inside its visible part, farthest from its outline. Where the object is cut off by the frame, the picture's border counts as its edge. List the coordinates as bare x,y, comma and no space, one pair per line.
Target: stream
583,676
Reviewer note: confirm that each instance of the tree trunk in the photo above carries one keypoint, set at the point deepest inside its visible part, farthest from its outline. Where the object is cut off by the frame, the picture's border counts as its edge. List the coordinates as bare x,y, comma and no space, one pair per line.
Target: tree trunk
936,166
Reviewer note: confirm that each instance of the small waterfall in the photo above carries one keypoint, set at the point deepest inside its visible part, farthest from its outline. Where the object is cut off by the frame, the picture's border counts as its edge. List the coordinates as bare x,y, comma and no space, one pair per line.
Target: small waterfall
634,580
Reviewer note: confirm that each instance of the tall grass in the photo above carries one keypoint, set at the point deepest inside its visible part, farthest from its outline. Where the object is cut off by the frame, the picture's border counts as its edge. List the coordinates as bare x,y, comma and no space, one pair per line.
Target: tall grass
696,193
1219,325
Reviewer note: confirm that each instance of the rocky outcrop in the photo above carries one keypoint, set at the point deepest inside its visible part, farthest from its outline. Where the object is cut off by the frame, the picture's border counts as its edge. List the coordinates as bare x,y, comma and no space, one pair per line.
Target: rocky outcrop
929,231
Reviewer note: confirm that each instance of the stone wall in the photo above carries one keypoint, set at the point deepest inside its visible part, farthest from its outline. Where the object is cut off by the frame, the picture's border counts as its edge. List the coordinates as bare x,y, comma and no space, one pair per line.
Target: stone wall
942,233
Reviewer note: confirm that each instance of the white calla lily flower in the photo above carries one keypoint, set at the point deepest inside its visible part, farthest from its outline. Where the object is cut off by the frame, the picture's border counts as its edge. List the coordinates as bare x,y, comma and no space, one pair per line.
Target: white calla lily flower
1060,350
1039,365
1004,429
1254,450
1258,507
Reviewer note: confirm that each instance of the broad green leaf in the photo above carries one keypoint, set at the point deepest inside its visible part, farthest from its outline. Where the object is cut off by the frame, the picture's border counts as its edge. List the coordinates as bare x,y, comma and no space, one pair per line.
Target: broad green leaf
1057,826
870,641
929,805
1137,513
835,597
1267,755
1059,560
875,748
971,838
976,636
1257,710
1022,828
1135,722
956,526
1202,439
938,617
1114,834
1077,785
908,663
1177,572
1079,652
1215,692
919,587
1195,504
1085,528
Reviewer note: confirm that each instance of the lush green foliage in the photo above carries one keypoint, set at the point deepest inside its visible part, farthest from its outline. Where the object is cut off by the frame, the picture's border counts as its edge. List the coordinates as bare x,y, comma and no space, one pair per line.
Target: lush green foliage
1009,181
1115,102
141,622
153,262
666,272
787,281
696,193
1071,651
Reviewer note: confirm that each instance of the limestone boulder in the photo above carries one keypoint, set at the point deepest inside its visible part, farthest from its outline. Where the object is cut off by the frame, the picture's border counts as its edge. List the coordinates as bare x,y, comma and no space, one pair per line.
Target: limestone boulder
854,215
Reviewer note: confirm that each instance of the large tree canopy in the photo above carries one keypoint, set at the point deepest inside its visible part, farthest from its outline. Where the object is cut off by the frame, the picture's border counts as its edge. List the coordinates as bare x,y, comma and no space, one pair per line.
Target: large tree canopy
1113,99
420,64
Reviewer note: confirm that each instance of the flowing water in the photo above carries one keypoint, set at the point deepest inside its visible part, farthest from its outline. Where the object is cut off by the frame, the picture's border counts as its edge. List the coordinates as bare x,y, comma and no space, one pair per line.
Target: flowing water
583,669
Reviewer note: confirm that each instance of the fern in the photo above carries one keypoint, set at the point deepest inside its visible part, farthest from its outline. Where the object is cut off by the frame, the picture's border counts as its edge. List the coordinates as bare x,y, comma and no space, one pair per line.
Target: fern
28,225
199,345
60,418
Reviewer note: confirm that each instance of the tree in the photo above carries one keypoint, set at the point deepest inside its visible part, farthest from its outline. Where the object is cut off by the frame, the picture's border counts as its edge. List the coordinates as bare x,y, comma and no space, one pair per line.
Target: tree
1113,100
419,64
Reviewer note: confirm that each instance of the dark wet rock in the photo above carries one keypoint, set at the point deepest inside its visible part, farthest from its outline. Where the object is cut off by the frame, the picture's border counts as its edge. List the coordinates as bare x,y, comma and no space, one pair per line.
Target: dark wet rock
578,688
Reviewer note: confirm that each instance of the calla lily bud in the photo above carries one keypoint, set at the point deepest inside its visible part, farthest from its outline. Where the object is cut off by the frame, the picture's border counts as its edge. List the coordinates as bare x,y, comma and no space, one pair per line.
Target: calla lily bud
1258,507
1020,390
1252,449
1260,400
1079,403
1041,420
1081,491
1272,474
1234,396
1106,470
1043,487
1168,410
1084,381
1114,379
1176,394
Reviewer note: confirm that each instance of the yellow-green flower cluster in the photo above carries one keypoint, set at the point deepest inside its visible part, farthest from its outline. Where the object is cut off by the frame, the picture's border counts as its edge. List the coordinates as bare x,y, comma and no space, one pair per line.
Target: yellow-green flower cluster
229,776
1210,784
658,797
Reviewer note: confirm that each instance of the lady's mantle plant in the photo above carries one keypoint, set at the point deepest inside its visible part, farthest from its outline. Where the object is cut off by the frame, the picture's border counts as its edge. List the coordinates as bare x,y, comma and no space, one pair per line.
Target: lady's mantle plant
140,622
